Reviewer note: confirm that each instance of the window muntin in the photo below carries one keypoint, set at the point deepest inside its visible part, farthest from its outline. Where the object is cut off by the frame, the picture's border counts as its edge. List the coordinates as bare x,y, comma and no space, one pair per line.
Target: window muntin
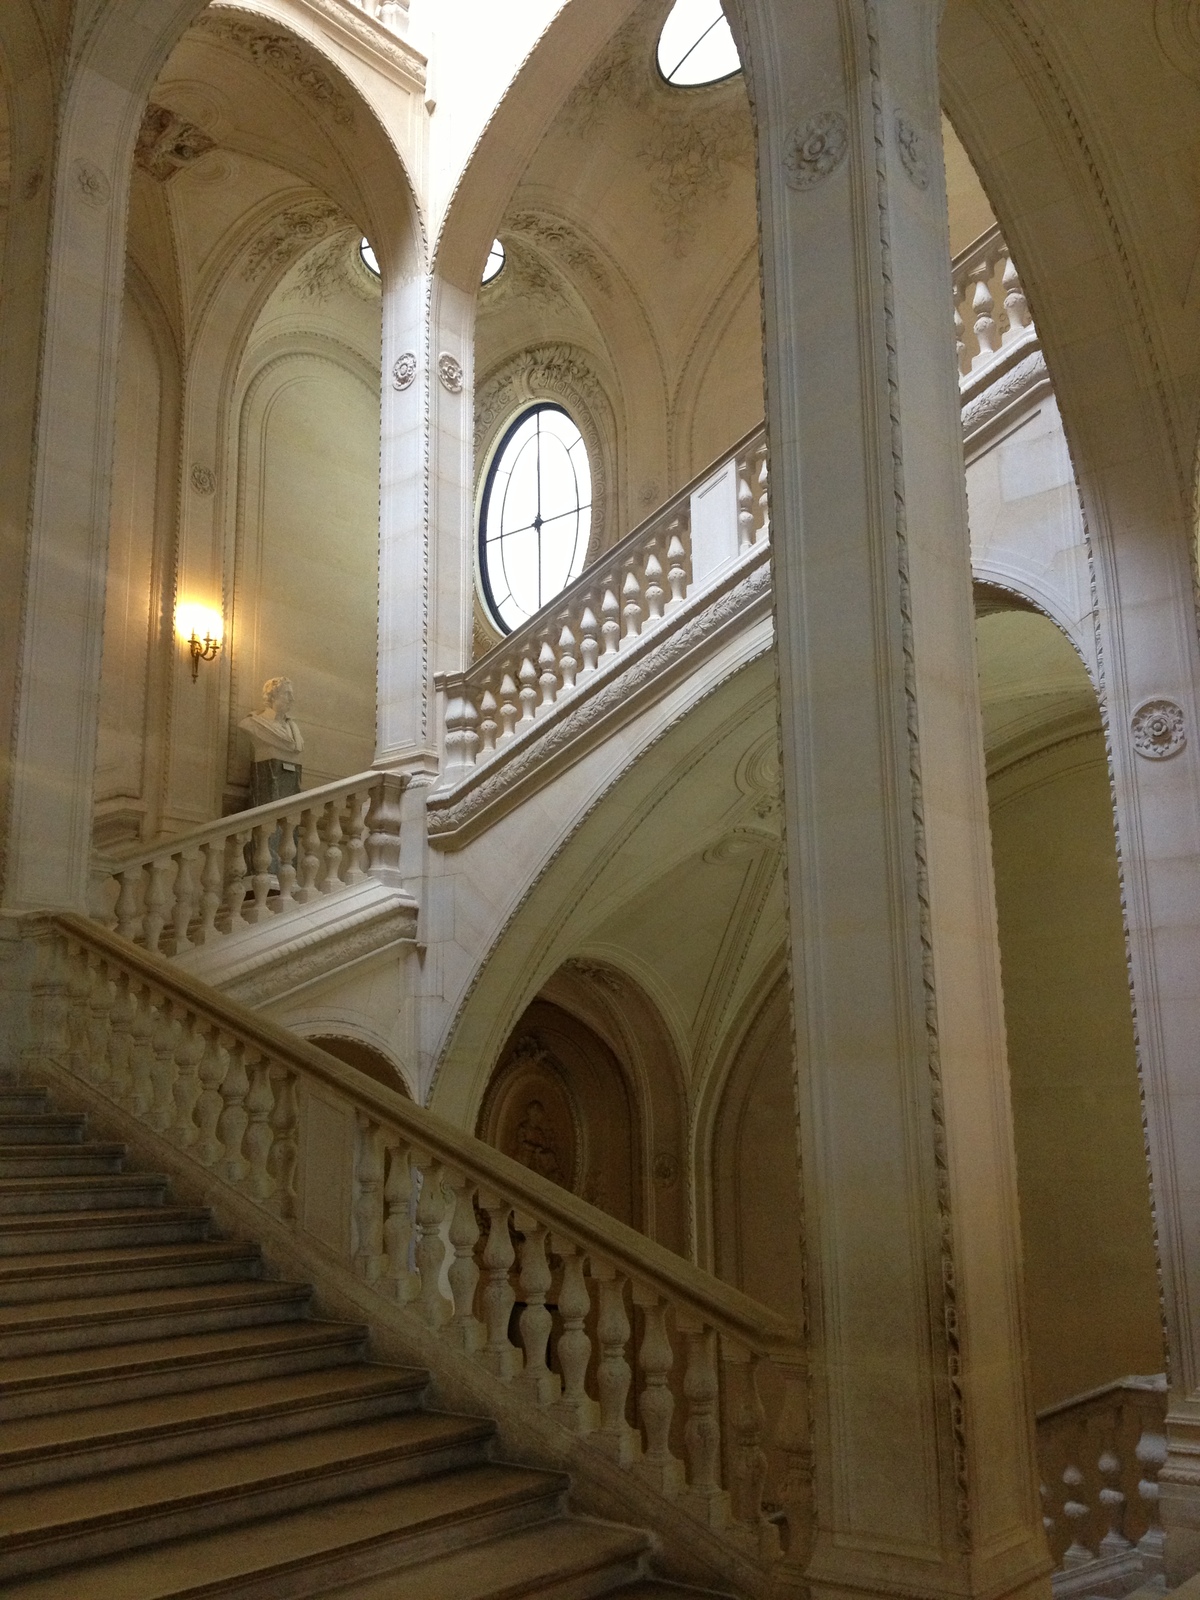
494,264
696,46
536,515
369,259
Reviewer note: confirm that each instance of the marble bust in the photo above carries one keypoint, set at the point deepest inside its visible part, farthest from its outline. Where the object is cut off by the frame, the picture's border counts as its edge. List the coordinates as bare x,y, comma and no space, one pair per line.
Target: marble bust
277,742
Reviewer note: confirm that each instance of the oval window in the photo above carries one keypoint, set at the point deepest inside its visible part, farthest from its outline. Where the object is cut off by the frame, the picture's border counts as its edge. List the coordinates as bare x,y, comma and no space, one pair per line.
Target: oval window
536,514
696,45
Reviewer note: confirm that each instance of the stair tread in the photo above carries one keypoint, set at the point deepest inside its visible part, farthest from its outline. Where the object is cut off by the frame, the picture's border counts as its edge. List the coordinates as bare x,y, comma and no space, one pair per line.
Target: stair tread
49,1263
88,1147
84,1183
30,1516
31,1221
145,1302
199,1565
99,1426
132,1357
504,1568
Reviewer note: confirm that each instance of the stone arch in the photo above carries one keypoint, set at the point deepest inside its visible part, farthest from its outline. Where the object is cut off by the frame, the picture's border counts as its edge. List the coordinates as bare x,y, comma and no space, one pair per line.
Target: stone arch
365,1056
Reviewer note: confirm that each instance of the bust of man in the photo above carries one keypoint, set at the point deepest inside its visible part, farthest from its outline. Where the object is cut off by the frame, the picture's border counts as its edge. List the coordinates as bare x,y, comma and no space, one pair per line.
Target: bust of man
277,743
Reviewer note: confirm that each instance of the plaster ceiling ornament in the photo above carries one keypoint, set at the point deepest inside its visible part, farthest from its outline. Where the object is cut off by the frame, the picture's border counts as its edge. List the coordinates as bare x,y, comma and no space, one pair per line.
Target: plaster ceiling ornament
666,1170
913,152
92,184
529,279
288,60
450,372
596,972
563,240
816,148
404,370
1177,24
1158,729
288,233
167,142
203,479
334,267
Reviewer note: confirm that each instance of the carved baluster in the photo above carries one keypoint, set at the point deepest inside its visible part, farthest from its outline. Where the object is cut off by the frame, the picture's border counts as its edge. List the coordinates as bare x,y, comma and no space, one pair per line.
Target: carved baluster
231,1125
610,612
212,882
763,506
260,880
331,855
462,739
383,828
310,857
631,608
465,1330
260,1102
498,1355
187,1082
368,1206
575,1410
960,342
284,1142
431,1248
235,878
213,1066
187,899
128,909
120,1040
656,1403
614,1435
750,1461
100,999
164,1042
655,593
589,638
78,988
547,674
1048,1522
356,838
1076,1513
1112,1498
141,1054
792,1438
489,728
158,899
527,693
286,850
568,661
535,1321
745,506
983,304
1016,306
508,703
676,563
401,1281
702,1431
1151,1453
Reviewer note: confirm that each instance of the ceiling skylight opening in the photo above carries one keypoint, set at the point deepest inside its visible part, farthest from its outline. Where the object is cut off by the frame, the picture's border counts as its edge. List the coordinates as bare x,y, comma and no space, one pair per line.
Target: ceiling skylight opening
494,264
369,259
696,45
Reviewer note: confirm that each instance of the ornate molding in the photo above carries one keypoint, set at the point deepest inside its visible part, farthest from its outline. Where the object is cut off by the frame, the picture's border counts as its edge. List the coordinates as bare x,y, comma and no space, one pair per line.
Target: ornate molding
1158,729
92,183
404,370
288,233
1177,24
203,479
816,149
166,143
333,267
371,41
563,241
914,154
450,372
295,64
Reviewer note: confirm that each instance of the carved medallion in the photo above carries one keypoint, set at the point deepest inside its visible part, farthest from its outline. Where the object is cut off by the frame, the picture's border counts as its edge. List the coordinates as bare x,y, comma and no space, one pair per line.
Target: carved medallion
913,154
404,370
816,148
450,372
92,183
1158,730
203,479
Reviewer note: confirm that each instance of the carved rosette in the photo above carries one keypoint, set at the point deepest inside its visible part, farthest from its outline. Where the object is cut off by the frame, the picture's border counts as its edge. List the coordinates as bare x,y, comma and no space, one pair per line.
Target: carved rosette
816,148
1158,729
92,184
203,479
404,370
913,154
450,372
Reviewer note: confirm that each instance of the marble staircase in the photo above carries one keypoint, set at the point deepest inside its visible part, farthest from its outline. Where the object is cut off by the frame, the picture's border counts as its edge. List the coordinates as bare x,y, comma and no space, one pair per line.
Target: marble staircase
178,1423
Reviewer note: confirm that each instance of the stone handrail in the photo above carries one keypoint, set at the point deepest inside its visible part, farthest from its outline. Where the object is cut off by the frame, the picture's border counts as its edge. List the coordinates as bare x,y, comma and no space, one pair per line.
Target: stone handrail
991,313
253,866
445,1228
578,641
1099,1454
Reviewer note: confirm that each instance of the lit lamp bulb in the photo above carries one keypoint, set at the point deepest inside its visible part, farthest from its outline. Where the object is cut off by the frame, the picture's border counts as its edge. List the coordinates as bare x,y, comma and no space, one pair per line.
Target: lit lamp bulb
202,630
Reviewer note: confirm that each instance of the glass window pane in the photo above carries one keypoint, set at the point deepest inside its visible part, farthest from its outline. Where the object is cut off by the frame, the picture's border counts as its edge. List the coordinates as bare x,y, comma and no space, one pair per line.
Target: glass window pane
696,45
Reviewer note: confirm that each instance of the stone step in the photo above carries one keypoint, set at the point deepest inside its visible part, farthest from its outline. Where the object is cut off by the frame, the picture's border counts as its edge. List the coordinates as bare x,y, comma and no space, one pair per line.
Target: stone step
42,1127
55,1274
59,1160
67,1446
106,1191
67,1523
312,1552
149,1314
102,1230
107,1374
23,1102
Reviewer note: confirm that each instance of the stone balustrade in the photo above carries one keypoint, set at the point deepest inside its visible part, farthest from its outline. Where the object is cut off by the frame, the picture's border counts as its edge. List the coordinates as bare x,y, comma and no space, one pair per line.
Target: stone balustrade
991,313
1100,1455
253,867
626,597
623,1348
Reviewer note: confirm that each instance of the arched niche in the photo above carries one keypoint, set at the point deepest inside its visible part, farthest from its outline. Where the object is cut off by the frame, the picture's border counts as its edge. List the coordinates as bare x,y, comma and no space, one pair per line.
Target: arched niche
364,1057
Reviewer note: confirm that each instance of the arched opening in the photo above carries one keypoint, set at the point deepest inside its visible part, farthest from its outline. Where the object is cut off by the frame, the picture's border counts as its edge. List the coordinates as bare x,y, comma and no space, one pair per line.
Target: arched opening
364,1058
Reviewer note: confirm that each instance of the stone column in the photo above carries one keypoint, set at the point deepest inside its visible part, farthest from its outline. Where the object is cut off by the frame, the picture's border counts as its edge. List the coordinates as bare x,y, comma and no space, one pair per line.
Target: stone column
925,1475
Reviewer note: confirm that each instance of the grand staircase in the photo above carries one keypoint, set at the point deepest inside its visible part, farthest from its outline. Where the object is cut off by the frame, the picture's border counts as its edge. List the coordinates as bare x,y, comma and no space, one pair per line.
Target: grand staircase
176,1423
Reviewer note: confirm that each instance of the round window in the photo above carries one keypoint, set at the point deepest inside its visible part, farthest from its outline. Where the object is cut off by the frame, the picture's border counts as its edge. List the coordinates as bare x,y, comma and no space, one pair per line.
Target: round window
696,45
536,514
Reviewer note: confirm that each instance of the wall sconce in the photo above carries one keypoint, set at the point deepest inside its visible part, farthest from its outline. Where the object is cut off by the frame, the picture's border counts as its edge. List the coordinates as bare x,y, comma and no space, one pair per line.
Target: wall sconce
202,629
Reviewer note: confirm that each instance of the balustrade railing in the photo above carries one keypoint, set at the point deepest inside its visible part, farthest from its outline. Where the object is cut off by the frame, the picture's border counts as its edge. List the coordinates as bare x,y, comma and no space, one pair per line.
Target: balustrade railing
990,309
1100,1456
254,866
636,1353
596,623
